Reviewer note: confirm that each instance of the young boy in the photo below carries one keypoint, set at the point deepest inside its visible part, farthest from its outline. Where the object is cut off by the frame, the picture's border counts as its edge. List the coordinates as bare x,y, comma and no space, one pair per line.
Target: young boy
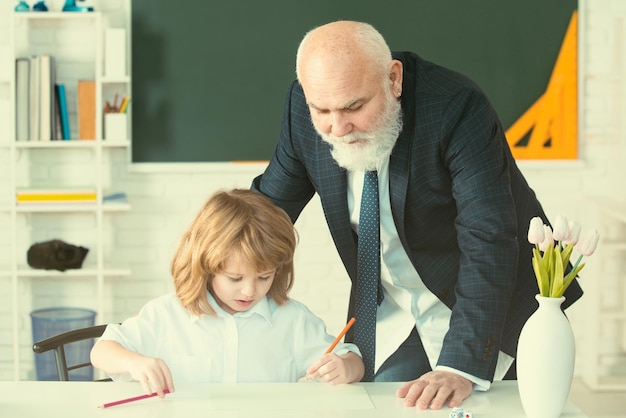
230,319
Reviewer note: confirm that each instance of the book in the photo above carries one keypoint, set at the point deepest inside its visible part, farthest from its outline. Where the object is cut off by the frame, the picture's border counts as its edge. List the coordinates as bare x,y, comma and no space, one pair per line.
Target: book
86,109
63,114
53,190
57,132
45,97
22,98
57,203
54,109
34,99
65,198
119,197
56,195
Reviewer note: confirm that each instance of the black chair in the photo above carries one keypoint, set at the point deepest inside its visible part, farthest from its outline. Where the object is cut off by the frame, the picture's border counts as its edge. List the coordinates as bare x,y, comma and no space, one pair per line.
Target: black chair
58,343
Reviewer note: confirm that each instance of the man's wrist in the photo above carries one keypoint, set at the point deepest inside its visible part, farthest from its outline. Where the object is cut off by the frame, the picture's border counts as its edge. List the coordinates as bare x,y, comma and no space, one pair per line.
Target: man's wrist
479,384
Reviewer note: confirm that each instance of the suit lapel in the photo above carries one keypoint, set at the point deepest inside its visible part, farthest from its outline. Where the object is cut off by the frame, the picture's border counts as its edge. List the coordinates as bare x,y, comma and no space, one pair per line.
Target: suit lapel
399,162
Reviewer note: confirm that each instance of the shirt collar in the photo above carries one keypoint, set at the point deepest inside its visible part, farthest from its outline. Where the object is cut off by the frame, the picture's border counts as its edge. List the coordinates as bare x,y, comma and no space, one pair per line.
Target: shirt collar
261,308
382,168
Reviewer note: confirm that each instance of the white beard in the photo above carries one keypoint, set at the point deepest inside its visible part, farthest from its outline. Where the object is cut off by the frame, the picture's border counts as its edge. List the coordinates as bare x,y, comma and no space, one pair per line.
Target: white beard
372,147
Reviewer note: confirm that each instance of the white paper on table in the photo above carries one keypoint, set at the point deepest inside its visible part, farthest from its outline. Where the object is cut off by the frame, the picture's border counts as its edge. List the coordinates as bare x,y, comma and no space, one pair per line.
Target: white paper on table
257,396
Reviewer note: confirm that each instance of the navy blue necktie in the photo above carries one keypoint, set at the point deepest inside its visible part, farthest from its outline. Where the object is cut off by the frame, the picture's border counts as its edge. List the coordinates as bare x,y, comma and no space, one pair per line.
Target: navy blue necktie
368,272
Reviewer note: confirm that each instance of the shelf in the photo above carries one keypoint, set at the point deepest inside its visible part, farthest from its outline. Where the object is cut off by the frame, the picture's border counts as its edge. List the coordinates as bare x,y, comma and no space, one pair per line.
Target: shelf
611,212
607,383
108,271
54,15
77,43
107,207
116,207
115,144
72,143
115,80
612,315
87,207
613,207
614,245
27,272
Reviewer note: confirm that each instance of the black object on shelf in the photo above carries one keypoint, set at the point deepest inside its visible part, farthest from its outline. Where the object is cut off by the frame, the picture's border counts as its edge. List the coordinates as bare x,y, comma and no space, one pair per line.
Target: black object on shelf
56,255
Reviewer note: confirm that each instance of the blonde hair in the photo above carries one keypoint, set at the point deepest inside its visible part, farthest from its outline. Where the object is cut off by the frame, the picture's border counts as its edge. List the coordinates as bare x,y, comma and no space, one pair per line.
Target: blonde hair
241,222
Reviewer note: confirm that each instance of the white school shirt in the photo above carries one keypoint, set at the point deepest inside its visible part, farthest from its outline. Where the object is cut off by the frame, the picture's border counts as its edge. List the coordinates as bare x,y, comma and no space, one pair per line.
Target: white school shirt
408,302
266,343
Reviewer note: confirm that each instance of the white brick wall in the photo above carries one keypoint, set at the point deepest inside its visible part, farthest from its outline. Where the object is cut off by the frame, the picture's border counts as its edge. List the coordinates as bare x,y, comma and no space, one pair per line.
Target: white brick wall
164,202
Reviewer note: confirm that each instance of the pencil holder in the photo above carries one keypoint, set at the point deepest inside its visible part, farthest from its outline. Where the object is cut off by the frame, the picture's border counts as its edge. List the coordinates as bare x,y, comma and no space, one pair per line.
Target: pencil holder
116,126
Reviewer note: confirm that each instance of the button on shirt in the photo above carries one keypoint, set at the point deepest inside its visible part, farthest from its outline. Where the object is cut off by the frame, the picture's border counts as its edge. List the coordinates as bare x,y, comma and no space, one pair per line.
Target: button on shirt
267,343
408,302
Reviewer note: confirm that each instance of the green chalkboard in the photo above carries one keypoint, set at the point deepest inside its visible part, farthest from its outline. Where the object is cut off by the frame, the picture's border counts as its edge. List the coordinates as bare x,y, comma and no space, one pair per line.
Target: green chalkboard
210,77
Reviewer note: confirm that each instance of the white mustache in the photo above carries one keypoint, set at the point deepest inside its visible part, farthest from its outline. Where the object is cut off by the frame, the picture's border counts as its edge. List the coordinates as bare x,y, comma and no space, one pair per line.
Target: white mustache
346,139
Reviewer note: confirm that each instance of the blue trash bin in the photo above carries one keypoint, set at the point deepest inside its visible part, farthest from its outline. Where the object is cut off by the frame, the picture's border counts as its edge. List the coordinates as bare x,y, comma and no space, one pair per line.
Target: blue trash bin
52,321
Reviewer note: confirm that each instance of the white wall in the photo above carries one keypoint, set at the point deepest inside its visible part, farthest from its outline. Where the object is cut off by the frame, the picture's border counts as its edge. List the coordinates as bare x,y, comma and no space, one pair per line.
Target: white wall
164,202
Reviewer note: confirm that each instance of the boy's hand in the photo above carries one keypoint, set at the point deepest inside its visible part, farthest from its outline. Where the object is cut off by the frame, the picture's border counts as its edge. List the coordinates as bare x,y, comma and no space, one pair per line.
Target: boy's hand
330,368
336,370
153,374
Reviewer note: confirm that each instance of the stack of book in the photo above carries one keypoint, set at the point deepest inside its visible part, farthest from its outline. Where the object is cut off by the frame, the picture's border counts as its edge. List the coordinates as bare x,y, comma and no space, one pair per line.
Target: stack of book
45,196
41,103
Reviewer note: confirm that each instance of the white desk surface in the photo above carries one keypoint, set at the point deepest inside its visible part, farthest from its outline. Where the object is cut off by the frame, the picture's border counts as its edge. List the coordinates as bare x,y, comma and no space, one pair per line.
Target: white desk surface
26,399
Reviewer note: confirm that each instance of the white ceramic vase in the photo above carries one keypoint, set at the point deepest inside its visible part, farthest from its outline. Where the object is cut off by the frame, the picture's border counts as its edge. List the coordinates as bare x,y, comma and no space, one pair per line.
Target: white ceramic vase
545,360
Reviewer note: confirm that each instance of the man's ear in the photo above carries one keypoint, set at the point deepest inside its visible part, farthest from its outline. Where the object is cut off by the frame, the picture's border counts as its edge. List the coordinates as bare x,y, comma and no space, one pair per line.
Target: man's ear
395,76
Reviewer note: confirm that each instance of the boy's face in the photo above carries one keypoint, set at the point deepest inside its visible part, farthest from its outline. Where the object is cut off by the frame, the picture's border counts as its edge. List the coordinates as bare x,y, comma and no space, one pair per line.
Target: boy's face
239,287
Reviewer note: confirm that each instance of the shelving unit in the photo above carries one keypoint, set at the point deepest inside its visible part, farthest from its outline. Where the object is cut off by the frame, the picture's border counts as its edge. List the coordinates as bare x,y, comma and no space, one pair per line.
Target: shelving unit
606,368
76,41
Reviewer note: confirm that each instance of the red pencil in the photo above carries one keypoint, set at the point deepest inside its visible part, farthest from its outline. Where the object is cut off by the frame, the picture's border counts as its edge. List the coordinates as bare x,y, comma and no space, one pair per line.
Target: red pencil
341,334
136,398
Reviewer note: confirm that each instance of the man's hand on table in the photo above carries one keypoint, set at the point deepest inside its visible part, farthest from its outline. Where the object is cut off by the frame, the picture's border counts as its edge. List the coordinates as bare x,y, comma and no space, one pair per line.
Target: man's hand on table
433,389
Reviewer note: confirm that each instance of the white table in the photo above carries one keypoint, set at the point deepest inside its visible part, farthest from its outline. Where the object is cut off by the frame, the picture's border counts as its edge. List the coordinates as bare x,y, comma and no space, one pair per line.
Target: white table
28,399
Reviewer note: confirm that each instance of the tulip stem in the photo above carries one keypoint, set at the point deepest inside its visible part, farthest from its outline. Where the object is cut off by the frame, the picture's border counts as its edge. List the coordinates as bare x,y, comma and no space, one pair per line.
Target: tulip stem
580,257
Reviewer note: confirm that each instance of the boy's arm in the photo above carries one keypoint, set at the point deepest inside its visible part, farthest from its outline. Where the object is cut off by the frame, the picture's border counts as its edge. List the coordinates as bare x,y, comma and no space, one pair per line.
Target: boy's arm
354,364
113,358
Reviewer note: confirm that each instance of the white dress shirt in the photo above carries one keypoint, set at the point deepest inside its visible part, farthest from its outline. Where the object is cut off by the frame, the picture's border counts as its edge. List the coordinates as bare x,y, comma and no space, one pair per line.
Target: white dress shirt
267,343
408,302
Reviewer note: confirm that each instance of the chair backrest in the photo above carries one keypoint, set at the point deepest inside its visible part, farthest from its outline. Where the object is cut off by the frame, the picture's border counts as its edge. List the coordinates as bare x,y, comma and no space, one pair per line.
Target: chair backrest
58,343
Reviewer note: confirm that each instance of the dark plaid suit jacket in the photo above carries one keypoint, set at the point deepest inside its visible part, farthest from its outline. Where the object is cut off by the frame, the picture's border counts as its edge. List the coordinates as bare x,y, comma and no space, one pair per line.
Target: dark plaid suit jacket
460,205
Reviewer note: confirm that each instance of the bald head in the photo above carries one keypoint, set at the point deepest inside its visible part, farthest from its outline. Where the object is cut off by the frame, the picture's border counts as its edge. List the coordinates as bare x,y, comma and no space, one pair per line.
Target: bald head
352,87
343,45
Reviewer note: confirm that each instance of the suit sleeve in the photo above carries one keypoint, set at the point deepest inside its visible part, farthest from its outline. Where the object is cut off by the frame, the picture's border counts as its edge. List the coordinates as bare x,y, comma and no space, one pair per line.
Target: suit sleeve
475,152
285,181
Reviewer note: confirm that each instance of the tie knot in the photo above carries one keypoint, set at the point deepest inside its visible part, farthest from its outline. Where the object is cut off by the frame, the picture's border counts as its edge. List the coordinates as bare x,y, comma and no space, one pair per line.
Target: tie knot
370,188
370,177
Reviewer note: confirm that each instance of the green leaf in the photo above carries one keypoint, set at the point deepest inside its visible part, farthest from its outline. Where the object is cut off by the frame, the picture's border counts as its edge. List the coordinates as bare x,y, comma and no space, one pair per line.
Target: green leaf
570,278
541,274
557,284
547,267
567,253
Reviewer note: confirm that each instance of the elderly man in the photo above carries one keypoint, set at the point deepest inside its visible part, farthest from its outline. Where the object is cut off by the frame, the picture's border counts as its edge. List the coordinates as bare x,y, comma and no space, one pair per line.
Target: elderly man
454,284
